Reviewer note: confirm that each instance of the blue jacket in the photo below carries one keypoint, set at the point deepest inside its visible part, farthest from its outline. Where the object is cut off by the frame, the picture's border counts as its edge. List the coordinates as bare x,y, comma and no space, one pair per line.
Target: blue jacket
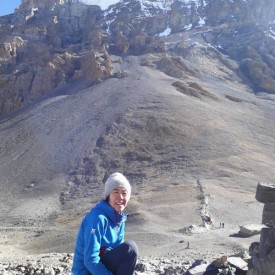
102,228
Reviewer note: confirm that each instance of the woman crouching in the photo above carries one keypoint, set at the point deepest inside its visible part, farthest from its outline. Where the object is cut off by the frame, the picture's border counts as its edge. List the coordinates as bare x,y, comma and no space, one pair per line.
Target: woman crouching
100,247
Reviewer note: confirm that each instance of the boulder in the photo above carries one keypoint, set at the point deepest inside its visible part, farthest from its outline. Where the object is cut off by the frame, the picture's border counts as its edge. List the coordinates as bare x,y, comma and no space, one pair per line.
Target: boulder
268,217
263,266
267,242
197,270
220,262
265,192
238,262
250,229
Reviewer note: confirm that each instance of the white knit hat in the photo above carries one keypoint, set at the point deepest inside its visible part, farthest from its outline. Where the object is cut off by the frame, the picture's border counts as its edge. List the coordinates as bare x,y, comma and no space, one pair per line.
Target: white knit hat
114,181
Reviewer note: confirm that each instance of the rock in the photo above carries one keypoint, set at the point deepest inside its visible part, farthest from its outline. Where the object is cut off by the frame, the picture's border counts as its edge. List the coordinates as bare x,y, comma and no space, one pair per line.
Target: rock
40,33
250,229
221,262
254,249
263,253
141,267
265,192
258,71
47,264
195,90
172,67
268,217
263,266
238,263
267,242
96,66
30,4
198,268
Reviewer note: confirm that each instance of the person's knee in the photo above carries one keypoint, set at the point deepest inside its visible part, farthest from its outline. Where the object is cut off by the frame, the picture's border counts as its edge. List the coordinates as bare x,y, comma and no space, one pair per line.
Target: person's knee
133,246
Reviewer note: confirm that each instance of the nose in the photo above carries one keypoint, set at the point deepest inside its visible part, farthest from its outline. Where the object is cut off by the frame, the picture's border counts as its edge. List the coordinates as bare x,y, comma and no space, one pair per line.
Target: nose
120,195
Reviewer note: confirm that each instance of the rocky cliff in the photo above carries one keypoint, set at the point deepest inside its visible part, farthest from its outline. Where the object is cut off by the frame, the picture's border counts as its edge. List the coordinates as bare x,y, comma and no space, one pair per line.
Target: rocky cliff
46,45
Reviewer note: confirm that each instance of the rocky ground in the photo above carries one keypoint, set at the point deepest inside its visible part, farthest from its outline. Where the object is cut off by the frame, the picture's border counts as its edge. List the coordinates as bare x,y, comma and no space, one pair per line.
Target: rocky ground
55,263
60,263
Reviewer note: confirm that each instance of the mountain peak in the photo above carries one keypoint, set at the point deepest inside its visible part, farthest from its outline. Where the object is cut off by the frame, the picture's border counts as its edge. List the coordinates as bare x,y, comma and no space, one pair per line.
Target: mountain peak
42,33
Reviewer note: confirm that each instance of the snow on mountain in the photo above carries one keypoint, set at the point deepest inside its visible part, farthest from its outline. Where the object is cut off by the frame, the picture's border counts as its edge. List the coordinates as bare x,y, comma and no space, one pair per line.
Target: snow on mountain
104,4
161,4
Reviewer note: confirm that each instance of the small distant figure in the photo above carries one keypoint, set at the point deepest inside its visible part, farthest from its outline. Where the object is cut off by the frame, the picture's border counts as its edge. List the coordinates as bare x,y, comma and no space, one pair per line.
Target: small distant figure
188,245
222,225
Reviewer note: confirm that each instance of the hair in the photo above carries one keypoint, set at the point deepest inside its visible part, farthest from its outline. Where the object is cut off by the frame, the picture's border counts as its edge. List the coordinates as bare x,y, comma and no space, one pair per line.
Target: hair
107,199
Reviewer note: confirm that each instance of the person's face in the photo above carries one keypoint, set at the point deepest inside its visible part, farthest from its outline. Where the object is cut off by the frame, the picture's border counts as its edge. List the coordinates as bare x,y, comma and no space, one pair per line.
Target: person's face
119,198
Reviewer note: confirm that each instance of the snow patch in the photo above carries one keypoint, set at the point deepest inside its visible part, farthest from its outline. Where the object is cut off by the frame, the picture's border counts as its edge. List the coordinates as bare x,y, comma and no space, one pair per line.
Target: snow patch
104,4
160,4
166,32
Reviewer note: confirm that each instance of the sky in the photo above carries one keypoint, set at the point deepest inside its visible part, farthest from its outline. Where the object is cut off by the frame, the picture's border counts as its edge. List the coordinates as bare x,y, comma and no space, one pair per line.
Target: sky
8,6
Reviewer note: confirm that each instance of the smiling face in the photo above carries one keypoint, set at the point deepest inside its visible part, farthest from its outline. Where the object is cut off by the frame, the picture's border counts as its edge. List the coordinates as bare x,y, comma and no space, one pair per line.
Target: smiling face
119,198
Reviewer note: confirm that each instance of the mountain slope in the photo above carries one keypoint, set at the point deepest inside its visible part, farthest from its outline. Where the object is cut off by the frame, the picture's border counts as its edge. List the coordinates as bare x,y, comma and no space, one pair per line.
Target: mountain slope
162,135
85,93
49,45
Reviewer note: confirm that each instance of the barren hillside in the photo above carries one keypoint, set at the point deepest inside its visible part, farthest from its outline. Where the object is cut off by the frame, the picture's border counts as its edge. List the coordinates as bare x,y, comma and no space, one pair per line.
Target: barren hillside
203,137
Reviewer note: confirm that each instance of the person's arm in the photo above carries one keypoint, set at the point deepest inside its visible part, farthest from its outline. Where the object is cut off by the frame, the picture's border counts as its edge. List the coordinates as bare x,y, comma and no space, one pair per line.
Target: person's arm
94,230
121,233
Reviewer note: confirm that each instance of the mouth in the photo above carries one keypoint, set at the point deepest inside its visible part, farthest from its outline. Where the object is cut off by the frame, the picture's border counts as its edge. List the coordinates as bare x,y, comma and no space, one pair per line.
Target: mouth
120,204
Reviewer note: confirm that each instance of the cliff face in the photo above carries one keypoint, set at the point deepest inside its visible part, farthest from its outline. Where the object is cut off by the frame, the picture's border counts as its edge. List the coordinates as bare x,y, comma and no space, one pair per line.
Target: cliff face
46,45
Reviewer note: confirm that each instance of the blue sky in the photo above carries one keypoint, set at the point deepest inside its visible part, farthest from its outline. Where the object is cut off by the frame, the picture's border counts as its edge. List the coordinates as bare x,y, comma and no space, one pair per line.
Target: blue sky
8,6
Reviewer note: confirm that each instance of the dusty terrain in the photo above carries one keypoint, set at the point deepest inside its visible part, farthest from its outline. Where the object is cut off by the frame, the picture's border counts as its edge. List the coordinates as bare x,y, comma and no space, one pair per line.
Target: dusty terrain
208,152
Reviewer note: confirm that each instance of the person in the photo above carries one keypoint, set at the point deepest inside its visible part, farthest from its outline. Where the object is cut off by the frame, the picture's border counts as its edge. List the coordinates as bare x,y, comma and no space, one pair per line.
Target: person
100,247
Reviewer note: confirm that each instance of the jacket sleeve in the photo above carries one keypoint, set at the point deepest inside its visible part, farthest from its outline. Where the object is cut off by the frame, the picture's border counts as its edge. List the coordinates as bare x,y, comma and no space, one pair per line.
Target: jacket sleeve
120,239
94,229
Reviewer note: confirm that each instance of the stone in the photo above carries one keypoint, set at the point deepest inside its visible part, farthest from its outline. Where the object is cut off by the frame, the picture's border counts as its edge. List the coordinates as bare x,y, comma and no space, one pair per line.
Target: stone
220,262
267,242
238,263
254,249
250,229
268,217
199,267
256,71
141,267
38,34
197,270
263,266
265,193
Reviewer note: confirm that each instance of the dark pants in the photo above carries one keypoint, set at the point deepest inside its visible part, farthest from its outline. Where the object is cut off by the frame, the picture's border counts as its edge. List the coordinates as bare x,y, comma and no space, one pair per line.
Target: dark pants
122,259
